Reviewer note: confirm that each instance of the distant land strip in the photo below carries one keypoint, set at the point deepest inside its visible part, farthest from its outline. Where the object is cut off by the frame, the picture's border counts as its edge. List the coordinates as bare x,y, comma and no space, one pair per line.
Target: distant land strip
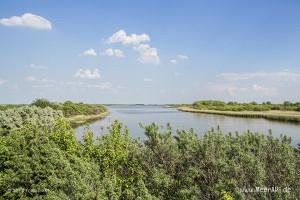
287,116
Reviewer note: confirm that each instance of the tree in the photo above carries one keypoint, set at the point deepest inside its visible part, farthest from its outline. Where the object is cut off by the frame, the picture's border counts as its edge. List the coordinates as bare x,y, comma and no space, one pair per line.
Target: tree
42,103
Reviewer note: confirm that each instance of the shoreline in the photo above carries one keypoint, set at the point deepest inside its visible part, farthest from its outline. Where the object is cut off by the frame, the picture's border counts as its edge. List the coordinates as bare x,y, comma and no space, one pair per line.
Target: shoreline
284,116
79,120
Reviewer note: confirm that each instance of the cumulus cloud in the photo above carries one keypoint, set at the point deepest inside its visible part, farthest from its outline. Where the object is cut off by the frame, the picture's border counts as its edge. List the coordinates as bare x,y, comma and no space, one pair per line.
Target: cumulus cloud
27,20
281,75
114,52
35,66
122,37
173,61
87,74
182,57
147,54
89,52
147,79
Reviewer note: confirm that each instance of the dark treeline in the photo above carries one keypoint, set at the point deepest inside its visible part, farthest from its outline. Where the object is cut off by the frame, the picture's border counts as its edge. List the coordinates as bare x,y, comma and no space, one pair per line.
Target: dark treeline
252,106
39,161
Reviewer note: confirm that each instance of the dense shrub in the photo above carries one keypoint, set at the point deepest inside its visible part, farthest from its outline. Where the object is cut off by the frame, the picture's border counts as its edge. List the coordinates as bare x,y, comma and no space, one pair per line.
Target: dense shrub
42,103
10,106
38,162
70,108
18,117
252,106
34,166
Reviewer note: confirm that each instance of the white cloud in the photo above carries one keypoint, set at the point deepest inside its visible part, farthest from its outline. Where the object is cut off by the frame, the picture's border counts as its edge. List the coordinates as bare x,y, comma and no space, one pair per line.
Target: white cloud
281,75
108,52
35,66
176,74
173,61
264,90
148,79
43,86
114,52
40,80
122,37
147,54
238,90
232,90
2,81
89,52
27,20
119,53
102,86
45,80
182,57
87,74
178,59
31,78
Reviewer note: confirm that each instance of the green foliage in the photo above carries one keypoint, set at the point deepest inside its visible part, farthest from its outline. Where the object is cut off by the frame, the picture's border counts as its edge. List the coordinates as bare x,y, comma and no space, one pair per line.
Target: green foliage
252,106
47,162
42,103
33,166
10,106
118,158
70,108
18,117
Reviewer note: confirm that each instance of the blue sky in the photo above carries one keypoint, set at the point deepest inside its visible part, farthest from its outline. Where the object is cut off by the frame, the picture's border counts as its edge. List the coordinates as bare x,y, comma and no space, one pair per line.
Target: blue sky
149,51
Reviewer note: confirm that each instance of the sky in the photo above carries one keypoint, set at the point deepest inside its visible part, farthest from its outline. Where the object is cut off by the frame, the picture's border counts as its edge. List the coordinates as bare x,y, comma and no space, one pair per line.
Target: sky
149,51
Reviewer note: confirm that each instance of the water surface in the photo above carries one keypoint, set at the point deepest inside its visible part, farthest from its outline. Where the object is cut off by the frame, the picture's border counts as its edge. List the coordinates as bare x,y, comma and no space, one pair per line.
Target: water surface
132,115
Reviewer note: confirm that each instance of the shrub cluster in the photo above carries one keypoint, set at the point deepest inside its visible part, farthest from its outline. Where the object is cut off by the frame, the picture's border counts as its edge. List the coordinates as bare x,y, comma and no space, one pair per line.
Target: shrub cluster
42,163
252,106
16,118
70,108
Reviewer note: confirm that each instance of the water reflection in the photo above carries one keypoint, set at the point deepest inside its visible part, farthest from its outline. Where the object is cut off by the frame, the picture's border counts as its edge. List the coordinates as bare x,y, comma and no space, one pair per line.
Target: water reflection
131,116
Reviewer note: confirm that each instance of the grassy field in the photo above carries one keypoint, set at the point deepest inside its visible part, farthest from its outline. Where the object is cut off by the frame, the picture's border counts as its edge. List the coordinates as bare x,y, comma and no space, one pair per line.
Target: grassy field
288,116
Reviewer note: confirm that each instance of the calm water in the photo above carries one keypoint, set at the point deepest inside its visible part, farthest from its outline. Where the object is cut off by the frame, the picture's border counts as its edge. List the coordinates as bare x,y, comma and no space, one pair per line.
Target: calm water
132,115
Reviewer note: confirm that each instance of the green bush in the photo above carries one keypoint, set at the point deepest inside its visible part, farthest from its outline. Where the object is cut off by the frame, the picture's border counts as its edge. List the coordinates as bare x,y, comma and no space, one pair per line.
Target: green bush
252,106
42,103
70,108
18,117
47,162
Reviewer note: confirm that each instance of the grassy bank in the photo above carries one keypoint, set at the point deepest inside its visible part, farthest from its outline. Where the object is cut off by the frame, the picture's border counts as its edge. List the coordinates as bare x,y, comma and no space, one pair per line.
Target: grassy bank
288,116
79,120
